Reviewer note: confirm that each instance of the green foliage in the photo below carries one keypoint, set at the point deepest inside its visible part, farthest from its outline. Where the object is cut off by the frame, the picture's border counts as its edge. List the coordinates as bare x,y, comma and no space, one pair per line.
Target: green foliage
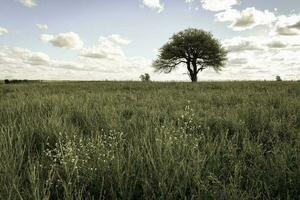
278,78
145,77
197,49
125,140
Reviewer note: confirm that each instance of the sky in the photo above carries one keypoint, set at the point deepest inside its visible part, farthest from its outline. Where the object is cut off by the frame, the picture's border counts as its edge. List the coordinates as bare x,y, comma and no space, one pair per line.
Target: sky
119,39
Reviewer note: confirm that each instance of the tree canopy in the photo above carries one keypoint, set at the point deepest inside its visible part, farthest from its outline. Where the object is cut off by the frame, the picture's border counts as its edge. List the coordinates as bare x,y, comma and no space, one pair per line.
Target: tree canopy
197,49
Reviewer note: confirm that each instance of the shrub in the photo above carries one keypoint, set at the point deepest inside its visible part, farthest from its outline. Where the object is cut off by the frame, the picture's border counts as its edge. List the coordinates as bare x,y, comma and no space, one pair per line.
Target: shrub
145,77
278,78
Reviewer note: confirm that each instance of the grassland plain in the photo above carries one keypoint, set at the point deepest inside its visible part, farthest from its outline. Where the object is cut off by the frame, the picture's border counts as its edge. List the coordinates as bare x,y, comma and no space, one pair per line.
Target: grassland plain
132,140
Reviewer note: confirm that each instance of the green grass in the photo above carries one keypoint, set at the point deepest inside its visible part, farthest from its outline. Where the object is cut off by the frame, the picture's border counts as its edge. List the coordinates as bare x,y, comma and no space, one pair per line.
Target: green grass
132,140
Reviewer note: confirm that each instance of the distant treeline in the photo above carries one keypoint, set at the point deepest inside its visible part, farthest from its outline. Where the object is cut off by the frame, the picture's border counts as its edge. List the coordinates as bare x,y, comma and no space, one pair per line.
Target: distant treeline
16,81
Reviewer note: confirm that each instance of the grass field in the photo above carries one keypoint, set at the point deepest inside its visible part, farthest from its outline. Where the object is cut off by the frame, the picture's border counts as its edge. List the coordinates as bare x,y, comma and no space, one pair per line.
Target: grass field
133,140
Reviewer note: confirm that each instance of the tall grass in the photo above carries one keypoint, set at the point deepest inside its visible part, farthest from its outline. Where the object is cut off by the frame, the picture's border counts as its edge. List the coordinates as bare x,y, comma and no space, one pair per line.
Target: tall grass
130,140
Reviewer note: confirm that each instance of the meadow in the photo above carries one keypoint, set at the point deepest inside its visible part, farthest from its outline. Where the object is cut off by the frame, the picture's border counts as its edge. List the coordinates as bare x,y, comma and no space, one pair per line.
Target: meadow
134,140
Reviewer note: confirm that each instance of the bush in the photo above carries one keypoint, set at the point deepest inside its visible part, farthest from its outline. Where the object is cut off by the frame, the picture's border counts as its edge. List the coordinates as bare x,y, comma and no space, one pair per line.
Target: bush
278,78
17,81
145,77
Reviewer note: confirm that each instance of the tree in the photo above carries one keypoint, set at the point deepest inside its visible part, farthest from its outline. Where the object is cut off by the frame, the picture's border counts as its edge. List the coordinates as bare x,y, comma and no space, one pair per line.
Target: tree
278,78
145,77
197,49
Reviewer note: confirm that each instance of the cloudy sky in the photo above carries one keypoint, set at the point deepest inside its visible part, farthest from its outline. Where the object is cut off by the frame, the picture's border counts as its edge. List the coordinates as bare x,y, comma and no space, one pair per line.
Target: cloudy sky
118,39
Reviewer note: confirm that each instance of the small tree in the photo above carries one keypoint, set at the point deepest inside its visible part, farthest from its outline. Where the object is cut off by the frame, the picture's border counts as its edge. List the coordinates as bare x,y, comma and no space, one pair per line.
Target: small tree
145,77
278,78
6,81
196,49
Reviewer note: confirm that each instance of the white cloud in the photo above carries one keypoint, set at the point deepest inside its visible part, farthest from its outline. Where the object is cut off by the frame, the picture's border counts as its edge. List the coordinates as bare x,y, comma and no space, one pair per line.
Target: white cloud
42,27
68,40
277,44
102,52
28,3
246,19
263,57
285,31
251,17
115,38
3,31
39,59
23,63
106,60
154,4
236,61
296,25
17,56
106,48
239,44
218,5
287,25
261,43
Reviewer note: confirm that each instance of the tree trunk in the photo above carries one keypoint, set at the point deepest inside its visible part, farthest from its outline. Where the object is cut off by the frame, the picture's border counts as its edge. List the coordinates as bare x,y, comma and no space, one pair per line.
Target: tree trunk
194,73
194,77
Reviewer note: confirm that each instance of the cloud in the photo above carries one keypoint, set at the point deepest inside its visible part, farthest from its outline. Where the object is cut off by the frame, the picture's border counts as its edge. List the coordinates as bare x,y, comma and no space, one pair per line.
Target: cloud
105,60
154,4
218,5
39,59
102,52
246,19
262,57
42,26
277,44
238,44
106,48
28,3
3,31
236,61
23,63
251,17
285,31
296,25
117,39
287,25
261,43
19,56
68,40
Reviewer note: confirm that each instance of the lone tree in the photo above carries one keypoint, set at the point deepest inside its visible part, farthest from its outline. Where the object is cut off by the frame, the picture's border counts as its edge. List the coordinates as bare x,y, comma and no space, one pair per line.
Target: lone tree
197,49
